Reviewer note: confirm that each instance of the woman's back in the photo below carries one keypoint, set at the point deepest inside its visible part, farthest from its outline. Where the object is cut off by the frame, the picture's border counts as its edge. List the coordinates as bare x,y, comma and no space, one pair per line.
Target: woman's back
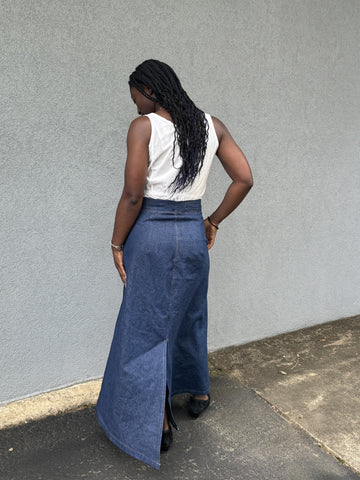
163,168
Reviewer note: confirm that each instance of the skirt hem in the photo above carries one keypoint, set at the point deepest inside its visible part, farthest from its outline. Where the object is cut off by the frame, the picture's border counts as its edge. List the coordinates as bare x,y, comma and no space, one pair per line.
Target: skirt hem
125,448
192,392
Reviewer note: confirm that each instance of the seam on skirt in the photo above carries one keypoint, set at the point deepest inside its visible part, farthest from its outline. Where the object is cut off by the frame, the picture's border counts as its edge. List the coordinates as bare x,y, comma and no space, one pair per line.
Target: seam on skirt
173,275
185,211
170,206
164,382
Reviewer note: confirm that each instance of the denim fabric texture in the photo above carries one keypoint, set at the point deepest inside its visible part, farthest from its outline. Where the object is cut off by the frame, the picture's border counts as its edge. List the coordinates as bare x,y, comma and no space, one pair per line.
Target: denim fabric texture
160,336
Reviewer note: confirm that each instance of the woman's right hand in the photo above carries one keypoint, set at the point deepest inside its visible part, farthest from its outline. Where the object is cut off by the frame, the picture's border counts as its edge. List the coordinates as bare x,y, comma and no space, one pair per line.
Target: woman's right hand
210,232
118,260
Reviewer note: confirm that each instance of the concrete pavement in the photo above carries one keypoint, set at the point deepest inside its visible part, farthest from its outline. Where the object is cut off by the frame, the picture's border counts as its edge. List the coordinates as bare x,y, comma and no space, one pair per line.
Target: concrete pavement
312,378
306,405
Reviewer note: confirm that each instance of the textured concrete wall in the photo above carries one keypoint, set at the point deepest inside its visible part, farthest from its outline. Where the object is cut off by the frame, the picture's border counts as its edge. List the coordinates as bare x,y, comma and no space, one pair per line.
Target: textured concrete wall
284,76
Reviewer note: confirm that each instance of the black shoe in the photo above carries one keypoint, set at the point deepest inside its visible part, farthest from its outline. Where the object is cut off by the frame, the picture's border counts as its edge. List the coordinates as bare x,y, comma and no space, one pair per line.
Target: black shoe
166,439
196,407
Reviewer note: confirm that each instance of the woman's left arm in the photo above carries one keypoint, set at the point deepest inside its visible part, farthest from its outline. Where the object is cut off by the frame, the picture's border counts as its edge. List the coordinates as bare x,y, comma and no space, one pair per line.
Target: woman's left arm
238,169
133,192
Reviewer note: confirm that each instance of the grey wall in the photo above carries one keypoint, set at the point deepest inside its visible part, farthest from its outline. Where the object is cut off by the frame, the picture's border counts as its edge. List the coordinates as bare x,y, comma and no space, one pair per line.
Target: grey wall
282,75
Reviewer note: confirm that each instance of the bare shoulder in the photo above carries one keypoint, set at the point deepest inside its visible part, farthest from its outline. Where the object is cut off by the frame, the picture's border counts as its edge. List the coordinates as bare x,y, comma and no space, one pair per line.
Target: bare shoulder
140,129
220,128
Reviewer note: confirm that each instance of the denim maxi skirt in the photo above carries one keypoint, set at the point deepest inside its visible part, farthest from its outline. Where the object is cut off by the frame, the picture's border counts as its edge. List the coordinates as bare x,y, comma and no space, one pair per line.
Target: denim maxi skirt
159,343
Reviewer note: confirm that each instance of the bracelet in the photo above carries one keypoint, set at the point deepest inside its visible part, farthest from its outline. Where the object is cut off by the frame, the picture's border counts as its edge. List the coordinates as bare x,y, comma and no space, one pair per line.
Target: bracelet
119,248
213,224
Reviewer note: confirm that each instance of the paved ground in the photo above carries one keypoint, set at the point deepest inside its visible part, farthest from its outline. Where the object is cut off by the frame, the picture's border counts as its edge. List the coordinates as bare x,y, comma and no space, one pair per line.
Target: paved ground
241,436
311,376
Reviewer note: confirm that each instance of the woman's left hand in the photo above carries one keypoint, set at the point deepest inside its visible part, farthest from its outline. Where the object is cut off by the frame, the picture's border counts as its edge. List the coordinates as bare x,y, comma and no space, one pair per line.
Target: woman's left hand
210,232
118,260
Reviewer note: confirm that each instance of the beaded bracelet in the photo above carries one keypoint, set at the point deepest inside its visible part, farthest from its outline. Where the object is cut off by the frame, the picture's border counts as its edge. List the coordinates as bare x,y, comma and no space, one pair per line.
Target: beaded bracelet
213,224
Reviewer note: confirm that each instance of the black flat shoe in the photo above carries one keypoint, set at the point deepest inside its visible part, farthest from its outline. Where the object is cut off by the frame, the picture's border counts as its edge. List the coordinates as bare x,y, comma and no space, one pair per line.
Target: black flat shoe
196,407
166,440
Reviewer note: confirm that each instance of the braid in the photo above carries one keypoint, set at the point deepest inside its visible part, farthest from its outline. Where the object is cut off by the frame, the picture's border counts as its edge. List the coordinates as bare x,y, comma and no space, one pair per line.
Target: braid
191,126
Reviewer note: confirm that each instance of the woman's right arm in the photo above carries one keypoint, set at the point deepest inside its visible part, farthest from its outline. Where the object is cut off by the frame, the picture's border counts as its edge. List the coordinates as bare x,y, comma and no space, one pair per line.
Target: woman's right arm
238,169
132,196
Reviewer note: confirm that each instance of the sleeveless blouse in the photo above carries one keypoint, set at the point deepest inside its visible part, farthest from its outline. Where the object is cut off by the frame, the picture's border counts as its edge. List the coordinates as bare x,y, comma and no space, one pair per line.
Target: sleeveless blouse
162,170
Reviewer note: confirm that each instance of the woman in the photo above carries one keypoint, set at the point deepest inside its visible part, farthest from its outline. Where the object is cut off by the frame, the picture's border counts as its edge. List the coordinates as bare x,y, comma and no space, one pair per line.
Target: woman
160,246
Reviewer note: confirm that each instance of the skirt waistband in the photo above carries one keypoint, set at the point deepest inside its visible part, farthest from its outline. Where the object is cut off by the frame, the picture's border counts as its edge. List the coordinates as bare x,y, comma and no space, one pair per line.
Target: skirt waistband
171,205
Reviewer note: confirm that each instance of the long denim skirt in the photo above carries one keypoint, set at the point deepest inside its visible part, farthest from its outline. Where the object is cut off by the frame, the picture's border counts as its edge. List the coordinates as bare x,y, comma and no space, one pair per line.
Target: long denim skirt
159,345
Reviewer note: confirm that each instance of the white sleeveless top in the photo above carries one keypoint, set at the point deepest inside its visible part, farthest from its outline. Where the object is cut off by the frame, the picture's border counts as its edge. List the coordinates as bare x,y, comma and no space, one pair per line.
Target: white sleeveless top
162,170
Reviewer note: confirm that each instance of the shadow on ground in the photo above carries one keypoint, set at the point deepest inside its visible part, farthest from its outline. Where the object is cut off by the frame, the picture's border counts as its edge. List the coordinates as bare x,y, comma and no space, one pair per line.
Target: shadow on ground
239,437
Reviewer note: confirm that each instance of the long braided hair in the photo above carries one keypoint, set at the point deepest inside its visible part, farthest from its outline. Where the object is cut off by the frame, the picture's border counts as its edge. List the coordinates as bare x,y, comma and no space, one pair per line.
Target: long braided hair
191,126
